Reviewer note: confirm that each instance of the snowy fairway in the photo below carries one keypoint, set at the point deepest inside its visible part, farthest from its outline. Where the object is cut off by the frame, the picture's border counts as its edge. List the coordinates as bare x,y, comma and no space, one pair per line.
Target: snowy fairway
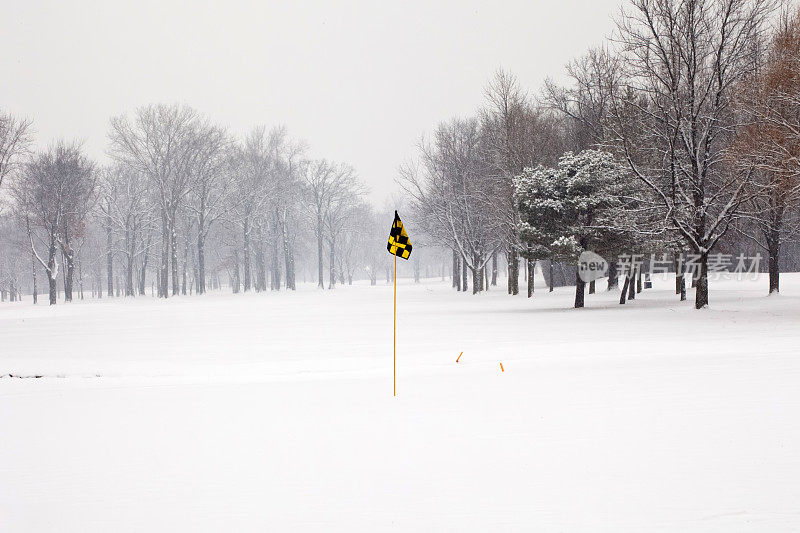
265,412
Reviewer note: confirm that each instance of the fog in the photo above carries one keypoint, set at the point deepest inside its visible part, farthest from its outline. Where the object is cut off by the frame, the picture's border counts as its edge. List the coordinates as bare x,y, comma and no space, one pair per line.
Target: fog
360,81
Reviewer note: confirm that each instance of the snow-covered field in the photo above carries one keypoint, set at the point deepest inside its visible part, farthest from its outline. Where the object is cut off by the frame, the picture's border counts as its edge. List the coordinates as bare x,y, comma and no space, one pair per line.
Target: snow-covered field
274,412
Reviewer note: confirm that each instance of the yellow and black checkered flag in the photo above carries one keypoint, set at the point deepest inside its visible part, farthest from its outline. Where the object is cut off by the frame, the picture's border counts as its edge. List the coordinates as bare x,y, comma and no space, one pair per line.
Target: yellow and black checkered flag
399,244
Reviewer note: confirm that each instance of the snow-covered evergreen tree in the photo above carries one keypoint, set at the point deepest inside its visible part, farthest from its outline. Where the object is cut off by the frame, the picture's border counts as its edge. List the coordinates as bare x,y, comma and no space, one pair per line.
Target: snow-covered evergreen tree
580,205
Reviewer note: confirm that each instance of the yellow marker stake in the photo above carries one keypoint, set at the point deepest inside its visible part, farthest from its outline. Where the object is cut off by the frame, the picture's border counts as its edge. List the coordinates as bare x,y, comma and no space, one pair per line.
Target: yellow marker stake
459,356
394,338
501,368
399,244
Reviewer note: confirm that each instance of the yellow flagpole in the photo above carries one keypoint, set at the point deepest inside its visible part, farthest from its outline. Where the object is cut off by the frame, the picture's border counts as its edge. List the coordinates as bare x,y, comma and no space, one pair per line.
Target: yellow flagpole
394,338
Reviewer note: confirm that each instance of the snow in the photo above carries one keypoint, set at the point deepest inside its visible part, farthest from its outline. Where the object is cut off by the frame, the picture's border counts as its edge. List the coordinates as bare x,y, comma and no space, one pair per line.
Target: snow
260,412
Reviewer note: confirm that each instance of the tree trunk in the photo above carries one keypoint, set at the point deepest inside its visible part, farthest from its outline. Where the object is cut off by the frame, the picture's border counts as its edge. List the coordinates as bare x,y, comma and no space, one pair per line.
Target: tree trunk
580,286
494,268
552,273
69,258
291,283
288,254
632,283
531,272
130,241
201,263
109,254
143,275
477,280
464,285
774,265
163,276
235,282
246,255
680,276
509,252
129,277
613,276
52,273
456,271
173,246
320,283
33,276
80,279
332,266
682,282
53,290
513,272
201,248
276,268
195,279
261,270
624,292
184,266
701,294
128,261
638,279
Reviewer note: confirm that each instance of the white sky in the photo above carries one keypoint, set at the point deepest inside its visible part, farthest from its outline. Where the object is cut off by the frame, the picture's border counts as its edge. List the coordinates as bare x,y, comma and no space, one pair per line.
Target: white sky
359,81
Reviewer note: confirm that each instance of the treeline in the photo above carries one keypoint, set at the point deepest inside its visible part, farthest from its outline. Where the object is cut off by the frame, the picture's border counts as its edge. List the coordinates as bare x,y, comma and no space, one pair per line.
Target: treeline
183,207
678,136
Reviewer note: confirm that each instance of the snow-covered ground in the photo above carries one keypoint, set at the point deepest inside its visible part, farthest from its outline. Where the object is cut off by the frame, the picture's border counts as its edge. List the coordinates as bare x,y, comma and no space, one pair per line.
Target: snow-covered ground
274,412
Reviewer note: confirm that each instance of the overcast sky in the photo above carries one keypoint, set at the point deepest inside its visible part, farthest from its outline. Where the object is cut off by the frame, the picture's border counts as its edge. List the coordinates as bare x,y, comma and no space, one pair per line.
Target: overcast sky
359,81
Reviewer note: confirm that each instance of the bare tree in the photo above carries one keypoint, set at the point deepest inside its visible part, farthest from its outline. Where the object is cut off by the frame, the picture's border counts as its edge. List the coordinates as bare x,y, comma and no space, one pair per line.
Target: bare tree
504,119
211,189
15,139
323,186
674,121
453,195
286,200
53,195
768,144
13,259
160,142
109,193
125,211
588,99
253,190
340,212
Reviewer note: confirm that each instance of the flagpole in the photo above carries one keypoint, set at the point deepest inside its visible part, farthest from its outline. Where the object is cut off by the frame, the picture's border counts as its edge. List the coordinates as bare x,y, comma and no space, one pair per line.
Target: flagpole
394,331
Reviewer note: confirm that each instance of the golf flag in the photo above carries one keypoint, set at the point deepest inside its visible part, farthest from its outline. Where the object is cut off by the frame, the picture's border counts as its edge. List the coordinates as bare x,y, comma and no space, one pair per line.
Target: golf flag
399,244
